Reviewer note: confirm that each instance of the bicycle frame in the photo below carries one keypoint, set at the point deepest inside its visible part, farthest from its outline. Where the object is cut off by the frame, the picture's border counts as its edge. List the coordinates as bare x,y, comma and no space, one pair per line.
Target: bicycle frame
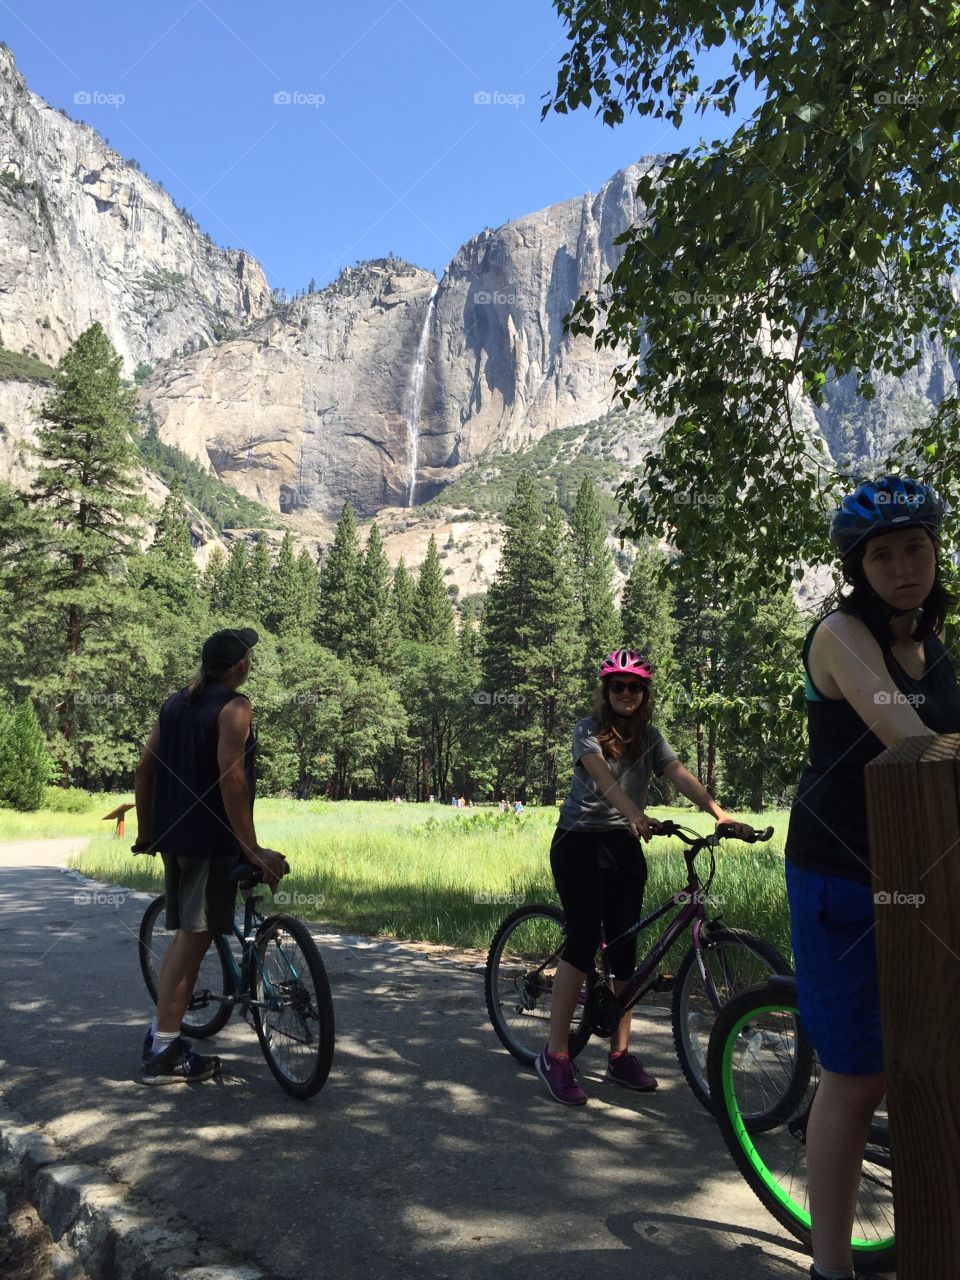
242,974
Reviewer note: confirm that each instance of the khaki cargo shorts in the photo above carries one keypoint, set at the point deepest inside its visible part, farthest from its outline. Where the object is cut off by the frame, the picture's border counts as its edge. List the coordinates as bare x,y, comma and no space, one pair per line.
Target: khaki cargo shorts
200,899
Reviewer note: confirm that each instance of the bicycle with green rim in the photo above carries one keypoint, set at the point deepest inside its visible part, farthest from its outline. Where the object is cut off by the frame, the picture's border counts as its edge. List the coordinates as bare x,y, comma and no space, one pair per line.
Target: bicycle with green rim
763,1075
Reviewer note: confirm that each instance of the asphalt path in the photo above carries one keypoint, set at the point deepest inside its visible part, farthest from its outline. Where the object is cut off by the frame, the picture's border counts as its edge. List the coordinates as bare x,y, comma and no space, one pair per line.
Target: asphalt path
430,1152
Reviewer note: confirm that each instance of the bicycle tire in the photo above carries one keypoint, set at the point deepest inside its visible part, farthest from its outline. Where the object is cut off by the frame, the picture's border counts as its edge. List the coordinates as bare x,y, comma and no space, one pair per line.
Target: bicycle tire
196,1026
692,1027
527,995
318,1010
771,1161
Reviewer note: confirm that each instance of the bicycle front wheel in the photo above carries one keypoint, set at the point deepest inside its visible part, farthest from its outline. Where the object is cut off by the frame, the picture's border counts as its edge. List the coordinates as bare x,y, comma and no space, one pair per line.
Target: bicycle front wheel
293,1009
761,1061
521,966
210,1005
733,961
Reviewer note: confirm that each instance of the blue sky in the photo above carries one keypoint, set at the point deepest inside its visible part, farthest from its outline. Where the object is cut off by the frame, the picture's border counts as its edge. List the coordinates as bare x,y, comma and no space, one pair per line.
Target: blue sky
383,145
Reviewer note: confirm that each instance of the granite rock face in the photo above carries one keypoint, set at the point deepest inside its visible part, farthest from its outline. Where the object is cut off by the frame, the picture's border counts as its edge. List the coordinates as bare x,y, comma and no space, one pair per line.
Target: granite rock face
85,236
381,387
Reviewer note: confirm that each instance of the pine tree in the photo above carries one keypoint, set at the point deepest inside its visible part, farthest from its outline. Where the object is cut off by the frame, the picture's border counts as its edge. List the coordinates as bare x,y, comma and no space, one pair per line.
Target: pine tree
337,617
86,490
236,587
402,592
432,609
169,567
553,683
282,614
211,583
593,583
508,622
260,571
377,637
310,591
25,766
646,612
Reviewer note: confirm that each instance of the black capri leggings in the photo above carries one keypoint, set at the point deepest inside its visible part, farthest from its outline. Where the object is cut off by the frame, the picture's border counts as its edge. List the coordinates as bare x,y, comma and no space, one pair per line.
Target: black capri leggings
600,876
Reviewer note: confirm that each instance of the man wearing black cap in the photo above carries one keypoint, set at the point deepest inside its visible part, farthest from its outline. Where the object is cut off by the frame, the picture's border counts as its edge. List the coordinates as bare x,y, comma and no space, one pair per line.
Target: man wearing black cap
195,785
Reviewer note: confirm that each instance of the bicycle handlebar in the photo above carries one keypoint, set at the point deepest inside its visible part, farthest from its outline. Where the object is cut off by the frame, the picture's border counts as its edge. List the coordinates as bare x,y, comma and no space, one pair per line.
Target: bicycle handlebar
691,837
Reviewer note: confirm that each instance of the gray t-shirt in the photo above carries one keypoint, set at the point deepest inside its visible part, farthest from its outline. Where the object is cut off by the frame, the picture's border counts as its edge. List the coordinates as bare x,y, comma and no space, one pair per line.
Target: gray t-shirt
584,807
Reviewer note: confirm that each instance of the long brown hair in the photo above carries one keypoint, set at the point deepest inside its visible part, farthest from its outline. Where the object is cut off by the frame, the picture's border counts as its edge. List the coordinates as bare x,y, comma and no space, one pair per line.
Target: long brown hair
621,737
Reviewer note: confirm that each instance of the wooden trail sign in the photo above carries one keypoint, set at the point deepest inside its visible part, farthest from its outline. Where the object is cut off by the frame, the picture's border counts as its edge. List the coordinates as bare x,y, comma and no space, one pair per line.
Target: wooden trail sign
913,815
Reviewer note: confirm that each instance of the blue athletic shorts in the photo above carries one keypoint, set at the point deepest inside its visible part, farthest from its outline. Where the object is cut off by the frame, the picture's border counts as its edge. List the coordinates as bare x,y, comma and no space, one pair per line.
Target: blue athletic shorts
834,952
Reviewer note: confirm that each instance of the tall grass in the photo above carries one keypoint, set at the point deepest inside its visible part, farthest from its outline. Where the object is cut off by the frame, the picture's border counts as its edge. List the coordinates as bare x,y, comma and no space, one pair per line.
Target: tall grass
440,875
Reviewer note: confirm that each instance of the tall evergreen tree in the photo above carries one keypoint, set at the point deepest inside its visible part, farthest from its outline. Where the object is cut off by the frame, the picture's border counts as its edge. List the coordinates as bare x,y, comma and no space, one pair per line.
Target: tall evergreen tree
377,637
211,583
402,592
337,617
87,492
310,588
236,588
260,571
431,605
508,622
592,582
646,611
554,676
169,567
284,593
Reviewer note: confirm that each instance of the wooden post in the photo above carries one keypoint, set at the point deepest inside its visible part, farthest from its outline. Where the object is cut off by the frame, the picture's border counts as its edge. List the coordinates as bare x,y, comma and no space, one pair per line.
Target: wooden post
913,814
118,814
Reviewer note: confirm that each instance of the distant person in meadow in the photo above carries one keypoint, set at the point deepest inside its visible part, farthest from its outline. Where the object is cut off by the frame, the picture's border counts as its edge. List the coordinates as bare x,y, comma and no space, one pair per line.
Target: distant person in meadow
597,859
877,672
195,786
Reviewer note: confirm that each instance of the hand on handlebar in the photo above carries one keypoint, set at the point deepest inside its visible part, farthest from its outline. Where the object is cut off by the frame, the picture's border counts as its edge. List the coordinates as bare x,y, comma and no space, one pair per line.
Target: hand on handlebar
742,830
643,827
273,865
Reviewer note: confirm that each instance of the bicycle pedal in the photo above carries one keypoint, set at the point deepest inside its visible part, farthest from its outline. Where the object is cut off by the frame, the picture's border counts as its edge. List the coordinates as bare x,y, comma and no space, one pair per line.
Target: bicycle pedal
665,982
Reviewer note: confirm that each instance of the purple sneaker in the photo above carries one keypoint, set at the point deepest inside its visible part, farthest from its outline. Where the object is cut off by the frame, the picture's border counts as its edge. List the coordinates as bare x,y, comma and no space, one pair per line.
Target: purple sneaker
558,1075
629,1071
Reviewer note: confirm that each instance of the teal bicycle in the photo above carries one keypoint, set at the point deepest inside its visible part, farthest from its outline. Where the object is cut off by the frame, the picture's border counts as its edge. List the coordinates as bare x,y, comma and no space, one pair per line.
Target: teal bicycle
279,982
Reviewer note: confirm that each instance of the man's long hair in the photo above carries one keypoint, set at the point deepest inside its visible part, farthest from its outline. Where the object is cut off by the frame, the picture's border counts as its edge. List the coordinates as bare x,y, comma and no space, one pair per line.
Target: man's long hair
863,602
621,737
207,676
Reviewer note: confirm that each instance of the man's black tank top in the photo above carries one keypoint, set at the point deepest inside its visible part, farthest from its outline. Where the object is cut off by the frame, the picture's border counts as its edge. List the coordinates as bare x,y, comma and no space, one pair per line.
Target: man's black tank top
828,820
189,818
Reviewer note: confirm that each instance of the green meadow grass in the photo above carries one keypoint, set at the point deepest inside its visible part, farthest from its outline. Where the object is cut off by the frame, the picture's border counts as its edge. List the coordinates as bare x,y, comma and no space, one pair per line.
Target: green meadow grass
435,874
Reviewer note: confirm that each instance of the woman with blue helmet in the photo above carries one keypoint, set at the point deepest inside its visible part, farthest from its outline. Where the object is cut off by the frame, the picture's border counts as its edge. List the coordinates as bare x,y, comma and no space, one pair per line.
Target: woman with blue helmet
876,672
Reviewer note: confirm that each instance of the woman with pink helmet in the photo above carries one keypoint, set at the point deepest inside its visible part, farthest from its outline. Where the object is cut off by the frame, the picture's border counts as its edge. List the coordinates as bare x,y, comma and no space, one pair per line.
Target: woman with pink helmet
597,859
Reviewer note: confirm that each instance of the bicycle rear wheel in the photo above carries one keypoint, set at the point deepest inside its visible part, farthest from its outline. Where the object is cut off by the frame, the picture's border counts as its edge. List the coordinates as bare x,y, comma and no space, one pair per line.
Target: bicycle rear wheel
518,983
761,1060
208,1011
293,1013
733,961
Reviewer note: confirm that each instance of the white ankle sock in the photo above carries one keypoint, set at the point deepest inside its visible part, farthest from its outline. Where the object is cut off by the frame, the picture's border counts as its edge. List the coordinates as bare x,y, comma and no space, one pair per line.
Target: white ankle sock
161,1039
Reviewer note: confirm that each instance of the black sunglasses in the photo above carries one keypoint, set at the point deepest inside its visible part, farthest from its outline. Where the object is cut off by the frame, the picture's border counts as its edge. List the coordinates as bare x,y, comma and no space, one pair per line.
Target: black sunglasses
626,686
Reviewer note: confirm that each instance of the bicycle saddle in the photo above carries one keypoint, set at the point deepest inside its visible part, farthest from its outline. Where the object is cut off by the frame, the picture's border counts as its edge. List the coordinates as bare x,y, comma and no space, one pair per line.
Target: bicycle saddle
245,873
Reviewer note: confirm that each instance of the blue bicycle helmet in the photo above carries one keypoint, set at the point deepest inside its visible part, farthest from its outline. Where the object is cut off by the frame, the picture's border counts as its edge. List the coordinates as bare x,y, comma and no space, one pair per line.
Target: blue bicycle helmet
884,506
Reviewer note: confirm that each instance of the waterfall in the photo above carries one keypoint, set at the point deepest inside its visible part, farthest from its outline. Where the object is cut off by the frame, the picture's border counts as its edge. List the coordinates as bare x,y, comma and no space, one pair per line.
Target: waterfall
413,400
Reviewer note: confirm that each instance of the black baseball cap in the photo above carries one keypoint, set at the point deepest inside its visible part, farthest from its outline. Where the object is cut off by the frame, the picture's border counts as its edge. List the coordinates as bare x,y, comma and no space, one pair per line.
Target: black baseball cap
224,649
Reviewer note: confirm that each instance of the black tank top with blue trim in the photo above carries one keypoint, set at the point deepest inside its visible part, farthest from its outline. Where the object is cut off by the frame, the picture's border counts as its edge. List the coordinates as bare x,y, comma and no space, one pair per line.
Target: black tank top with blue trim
828,820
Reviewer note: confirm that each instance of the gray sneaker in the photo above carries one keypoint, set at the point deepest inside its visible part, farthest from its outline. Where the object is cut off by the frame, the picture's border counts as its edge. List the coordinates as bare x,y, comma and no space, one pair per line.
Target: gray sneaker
558,1075
178,1064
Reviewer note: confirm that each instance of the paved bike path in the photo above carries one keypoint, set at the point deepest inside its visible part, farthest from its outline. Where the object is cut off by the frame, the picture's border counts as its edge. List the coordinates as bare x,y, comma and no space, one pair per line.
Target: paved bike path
429,1153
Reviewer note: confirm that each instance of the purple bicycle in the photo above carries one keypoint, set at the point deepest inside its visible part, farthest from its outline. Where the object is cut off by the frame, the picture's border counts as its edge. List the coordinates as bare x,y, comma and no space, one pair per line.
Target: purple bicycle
720,963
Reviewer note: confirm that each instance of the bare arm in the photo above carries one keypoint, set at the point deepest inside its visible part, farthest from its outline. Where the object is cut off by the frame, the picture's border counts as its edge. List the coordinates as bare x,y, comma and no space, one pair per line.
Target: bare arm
143,780
610,790
691,787
844,656
233,726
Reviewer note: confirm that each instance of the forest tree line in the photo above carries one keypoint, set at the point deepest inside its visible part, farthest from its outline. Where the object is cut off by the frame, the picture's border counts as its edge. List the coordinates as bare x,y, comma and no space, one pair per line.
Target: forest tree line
366,682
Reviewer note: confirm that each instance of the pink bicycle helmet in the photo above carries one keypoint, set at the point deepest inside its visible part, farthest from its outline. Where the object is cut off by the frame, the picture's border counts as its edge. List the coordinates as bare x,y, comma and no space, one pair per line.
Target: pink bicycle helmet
626,662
